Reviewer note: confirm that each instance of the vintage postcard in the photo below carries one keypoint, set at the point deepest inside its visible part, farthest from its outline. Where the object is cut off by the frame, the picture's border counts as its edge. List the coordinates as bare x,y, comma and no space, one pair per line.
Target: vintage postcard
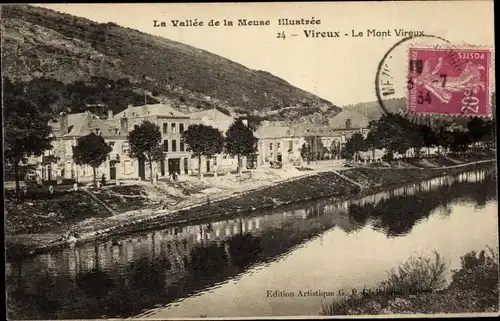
250,160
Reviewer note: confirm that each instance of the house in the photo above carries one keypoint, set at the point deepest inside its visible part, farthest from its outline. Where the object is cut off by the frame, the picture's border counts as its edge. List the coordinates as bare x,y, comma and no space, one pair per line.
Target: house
283,142
349,122
221,121
319,136
58,163
172,124
278,143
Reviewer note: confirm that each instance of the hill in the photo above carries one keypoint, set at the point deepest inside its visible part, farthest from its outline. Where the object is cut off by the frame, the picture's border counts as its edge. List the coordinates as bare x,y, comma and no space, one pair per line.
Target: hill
62,49
372,109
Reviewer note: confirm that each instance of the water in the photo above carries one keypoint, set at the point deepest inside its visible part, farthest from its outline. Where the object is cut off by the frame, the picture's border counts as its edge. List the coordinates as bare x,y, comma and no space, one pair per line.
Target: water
229,268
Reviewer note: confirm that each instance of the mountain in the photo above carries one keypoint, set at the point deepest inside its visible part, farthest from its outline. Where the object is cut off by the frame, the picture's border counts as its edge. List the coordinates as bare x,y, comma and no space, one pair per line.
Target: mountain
74,52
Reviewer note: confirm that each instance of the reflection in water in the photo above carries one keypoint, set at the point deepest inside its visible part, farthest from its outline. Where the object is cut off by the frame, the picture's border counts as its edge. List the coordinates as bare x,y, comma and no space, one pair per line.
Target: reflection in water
142,271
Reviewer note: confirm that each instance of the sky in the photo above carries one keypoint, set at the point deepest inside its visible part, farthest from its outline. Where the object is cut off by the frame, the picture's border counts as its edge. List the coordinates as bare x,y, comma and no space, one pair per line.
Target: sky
341,70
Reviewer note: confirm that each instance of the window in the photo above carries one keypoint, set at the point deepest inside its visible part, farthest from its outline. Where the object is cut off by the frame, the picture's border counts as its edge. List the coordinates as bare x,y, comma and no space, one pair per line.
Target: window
97,131
165,145
111,144
290,145
165,128
270,146
278,146
174,145
173,128
181,146
215,160
125,147
181,128
348,123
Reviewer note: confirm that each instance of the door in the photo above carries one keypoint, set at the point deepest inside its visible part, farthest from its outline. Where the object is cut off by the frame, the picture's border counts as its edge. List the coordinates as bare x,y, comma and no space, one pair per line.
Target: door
208,165
142,169
174,166
112,171
162,168
186,169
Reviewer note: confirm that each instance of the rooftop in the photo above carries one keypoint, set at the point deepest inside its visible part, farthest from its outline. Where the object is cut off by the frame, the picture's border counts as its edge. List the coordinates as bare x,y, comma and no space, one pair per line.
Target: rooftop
358,120
164,109
273,132
82,124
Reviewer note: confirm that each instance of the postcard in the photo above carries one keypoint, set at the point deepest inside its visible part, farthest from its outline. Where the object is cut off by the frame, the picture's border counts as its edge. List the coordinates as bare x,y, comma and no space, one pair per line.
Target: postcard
250,160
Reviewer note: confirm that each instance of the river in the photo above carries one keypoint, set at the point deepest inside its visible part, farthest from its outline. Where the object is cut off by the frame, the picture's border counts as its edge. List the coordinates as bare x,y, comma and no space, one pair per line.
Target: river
231,267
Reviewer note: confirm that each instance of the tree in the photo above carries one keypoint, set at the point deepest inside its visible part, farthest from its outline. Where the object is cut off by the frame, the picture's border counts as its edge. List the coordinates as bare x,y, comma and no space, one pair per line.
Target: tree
477,129
26,132
372,141
318,150
335,148
354,145
388,156
203,140
429,136
444,137
145,144
306,152
489,136
240,141
460,141
91,150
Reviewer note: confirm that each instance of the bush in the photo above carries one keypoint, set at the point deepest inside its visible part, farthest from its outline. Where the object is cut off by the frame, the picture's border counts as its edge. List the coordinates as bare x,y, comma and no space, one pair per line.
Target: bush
418,274
478,273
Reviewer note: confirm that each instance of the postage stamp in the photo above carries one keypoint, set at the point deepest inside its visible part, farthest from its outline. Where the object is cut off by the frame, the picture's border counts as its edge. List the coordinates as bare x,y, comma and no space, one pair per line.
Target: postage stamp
448,81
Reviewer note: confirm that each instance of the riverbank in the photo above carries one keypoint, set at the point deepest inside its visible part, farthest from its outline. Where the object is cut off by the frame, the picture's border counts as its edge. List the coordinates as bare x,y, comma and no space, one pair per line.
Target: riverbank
420,286
235,200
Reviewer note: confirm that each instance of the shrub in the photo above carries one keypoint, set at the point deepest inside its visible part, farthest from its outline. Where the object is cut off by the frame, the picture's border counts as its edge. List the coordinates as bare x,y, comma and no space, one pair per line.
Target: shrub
418,274
349,305
478,273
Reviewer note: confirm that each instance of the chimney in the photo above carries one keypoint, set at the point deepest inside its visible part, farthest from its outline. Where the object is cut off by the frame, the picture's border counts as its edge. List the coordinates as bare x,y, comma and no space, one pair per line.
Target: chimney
110,113
63,123
124,124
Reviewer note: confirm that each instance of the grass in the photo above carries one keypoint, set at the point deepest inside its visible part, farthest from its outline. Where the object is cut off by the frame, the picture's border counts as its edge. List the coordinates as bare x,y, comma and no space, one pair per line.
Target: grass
43,213
419,286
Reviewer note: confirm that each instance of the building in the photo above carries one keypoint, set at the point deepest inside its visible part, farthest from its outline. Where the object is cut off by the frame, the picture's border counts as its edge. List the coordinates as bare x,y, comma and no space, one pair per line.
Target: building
58,163
221,121
172,124
283,142
348,122
278,143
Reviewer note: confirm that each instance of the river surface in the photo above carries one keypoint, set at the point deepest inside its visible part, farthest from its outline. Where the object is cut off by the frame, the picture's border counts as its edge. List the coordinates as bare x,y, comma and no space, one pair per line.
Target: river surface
233,268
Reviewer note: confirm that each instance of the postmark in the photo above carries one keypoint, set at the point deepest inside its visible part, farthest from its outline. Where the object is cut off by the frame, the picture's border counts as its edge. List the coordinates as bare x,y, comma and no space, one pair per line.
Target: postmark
388,86
397,73
449,81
